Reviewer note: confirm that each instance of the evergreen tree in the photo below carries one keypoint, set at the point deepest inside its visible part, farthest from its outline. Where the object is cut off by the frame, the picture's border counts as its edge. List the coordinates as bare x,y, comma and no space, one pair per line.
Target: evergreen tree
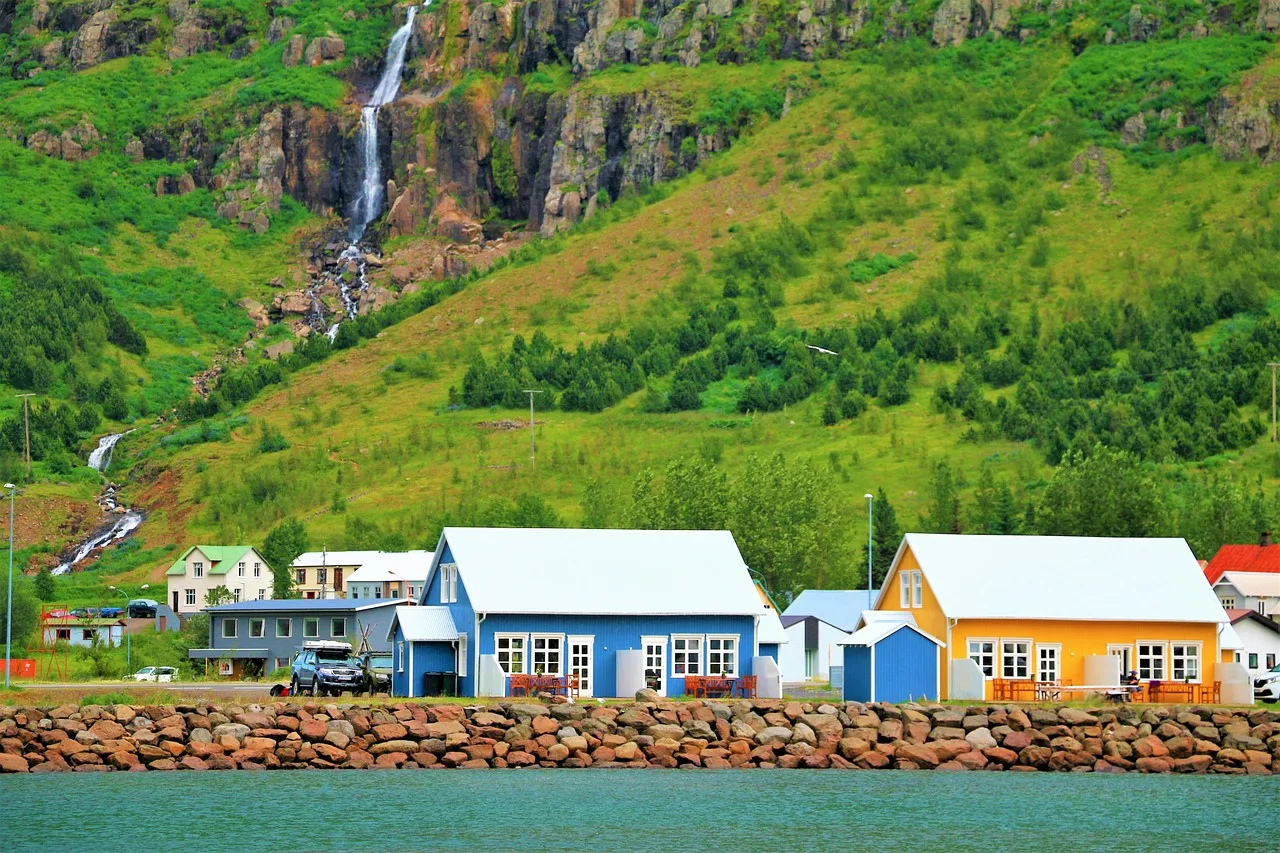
597,510
44,585
886,536
282,546
944,507
1107,493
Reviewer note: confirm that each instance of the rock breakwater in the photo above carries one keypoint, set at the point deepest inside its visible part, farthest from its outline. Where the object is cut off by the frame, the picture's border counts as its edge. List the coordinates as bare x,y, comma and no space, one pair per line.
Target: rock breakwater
758,733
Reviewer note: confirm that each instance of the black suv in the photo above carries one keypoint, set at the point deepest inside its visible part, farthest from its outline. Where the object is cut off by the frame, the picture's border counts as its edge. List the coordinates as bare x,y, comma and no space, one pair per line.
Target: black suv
326,668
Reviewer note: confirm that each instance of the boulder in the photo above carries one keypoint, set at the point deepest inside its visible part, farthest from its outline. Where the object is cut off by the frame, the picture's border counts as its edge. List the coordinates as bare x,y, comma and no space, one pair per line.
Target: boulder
981,738
774,735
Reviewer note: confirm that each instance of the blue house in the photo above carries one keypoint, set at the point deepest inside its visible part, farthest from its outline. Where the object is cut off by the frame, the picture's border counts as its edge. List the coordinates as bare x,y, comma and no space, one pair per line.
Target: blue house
620,609
891,660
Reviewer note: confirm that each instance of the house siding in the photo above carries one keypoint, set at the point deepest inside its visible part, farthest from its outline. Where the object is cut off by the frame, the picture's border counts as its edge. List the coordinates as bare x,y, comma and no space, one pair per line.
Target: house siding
770,650
287,647
464,617
857,674
418,660
227,575
906,667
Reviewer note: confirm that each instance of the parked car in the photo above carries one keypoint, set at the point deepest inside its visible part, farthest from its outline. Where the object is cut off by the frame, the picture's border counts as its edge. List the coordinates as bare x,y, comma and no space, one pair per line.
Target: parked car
111,612
59,614
86,612
142,608
1266,687
377,671
154,673
326,667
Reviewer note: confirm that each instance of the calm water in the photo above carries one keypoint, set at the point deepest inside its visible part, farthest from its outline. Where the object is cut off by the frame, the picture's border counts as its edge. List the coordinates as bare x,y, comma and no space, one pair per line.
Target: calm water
625,810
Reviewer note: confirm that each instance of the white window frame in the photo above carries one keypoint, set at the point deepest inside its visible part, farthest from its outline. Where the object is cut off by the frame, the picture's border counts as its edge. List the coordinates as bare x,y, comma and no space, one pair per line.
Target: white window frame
226,667
659,642
235,594
234,630
262,628
240,569
262,595
988,671
1228,602
917,589
523,651
587,679
713,666
1151,675
197,569
448,583
904,589
282,663
463,656
190,597
288,623
313,636
1004,655
400,656
681,665
1174,657
257,569
558,639
333,623
1056,649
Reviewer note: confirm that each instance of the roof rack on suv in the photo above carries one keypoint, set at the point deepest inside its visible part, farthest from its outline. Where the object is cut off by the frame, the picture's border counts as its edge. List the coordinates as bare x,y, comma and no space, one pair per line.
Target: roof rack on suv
326,646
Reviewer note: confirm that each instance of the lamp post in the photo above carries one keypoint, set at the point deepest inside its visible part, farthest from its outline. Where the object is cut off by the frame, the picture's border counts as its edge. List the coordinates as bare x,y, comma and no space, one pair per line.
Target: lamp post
404,586
871,548
8,622
128,637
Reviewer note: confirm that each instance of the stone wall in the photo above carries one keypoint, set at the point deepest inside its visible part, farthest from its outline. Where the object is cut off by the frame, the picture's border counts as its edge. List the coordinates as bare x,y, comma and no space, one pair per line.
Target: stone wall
759,733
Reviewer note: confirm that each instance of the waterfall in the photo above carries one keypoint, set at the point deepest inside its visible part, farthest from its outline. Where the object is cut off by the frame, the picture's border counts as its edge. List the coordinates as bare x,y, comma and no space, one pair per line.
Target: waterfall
368,204
123,521
100,458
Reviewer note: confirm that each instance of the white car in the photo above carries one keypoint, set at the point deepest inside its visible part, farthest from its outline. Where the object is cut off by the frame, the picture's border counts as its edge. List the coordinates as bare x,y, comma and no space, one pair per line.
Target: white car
154,673
1266,687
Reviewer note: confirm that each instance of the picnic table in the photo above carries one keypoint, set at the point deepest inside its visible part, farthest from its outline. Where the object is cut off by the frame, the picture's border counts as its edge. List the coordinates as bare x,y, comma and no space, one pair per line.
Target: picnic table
530,685
704,686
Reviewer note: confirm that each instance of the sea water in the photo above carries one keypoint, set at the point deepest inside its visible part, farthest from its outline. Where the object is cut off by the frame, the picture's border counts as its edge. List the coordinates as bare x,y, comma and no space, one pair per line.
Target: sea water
629,810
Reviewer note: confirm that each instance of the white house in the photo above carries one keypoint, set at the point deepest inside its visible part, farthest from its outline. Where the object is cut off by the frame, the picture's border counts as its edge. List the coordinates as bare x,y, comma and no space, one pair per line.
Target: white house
82,632
388,574
1260,637
239,568
1258,591
815,623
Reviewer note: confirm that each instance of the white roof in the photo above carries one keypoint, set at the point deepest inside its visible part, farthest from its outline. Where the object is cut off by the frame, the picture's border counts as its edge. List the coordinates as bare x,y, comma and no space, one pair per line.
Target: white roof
1062,577
877,631
424,624
393,560
382,566
1253,584
601,572
870,617
770,629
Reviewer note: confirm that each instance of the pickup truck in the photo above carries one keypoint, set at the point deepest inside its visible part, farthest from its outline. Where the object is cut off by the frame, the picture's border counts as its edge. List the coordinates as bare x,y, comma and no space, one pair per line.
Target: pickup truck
325,667
377,671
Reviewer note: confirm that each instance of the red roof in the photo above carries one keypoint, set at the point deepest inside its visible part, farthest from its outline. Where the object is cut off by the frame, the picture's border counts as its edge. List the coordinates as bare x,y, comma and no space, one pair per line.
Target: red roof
1243,558
1235,614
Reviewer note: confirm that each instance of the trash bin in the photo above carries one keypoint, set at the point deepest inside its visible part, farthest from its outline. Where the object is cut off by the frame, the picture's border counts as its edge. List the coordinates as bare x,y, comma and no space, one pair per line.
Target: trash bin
439,684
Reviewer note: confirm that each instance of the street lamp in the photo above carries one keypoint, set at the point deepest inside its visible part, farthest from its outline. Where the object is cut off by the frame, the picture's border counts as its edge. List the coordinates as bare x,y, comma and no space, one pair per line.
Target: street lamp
404,587
128,637
871,548
8,622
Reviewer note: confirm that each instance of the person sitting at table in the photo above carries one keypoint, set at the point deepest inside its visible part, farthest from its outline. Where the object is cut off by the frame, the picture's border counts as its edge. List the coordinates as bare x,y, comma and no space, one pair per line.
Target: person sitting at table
1131,681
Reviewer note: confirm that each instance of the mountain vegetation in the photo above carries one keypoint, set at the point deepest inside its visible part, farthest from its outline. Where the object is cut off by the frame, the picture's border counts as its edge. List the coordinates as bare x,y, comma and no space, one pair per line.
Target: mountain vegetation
1009,269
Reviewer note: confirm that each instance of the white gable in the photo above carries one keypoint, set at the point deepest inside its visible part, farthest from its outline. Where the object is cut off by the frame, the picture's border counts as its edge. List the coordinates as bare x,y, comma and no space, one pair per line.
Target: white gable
1252,584
601,572
1062,577
384,566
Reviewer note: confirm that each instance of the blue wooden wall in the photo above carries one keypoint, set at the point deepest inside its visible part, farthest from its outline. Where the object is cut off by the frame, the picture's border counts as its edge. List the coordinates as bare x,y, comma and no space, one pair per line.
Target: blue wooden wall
426,657
857,674
464,618
906,667
769,650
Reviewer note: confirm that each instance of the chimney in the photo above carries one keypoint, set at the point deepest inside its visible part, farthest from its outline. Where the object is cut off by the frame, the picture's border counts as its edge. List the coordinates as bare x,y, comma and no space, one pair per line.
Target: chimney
1265,539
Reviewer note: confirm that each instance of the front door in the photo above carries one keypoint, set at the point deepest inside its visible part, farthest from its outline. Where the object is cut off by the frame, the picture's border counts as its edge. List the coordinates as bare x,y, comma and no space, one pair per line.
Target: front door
175,601
655,664
1122,652
580,662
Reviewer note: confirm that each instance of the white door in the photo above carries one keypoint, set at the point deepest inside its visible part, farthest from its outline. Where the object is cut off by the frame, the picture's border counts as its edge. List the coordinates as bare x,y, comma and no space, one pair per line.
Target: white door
1126,662
655,663
580,662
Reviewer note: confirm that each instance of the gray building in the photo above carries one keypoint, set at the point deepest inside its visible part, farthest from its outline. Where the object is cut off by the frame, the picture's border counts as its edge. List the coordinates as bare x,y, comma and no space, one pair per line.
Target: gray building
254,638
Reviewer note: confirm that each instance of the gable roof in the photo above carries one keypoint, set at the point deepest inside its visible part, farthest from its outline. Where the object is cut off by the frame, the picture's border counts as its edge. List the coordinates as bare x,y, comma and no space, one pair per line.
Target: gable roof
873,633
1061,577
1243,558
770,628
1252,584
423,624
600,572
220,558
838,607
1242,615
382,566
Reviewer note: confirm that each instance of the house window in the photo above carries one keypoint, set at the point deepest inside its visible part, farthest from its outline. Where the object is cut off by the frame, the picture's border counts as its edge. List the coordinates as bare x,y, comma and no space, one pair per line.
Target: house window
1228,602
1185,661
257,628
722,656
300,575
413,592
1262,607
1271,661
1015,658
395,592
228,629
1151,661
191,596
546,655
240,569
904,589
983,653
235,594
257,570
262,595
1047,666
917,589
322,576
400,657
462,655
64,634
377,592
1253,660
282,663
511,652
197,570
338,627
311,628
86,634
449,584
686,655
284,628
1123,652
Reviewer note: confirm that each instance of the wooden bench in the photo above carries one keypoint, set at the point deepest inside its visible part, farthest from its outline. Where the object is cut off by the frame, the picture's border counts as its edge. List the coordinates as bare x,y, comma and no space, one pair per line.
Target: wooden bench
705,686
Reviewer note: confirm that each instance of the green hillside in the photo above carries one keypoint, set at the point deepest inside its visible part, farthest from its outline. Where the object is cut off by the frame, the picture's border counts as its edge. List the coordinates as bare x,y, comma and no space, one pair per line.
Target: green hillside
1009,284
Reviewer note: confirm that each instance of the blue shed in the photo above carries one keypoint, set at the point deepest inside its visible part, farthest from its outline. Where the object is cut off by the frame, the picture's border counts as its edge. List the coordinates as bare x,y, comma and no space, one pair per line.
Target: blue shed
891,661
620,609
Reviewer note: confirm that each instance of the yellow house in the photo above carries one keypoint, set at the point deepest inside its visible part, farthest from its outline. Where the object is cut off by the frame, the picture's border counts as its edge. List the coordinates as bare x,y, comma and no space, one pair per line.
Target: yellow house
1035,607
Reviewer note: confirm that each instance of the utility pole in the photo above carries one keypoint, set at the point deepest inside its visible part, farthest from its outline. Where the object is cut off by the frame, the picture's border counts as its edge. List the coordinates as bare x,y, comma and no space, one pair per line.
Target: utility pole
1273,365
533,448
26,417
